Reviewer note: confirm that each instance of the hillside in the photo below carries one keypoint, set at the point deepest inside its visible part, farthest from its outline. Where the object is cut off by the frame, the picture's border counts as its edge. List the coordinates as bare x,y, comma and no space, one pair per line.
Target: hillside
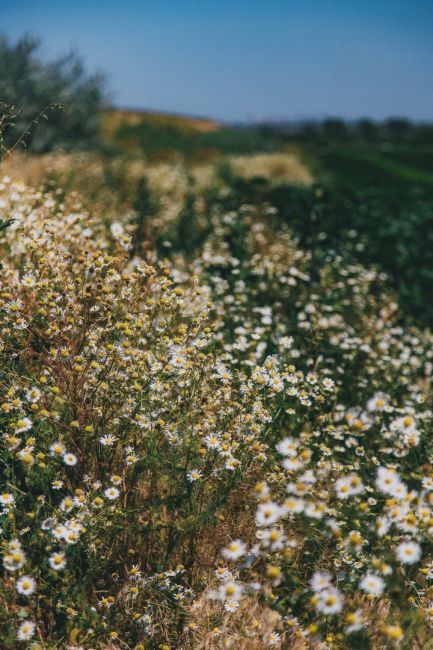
114,117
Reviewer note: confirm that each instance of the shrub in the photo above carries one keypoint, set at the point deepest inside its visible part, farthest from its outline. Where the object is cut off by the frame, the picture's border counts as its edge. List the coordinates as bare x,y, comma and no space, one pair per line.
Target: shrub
30,84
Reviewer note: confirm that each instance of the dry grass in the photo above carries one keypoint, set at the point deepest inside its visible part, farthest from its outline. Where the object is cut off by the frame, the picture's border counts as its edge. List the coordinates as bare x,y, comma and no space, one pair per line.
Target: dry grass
247,629
276,166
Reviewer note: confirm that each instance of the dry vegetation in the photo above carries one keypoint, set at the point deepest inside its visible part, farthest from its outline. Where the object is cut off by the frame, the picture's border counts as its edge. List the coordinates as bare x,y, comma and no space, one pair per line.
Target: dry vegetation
278,167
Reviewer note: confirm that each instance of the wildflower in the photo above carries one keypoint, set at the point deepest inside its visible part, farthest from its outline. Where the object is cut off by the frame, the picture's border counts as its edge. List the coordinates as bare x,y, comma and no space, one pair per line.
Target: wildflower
231,605
408,552
224,374
230,591
273,638
23,425
315,510
15,558
111,493
288,447
330,601
348,486
387,480
7,499
57,561
293,505
382,526
273,538
320,580
378,403
67,504
328,384
57,449
354,622
69,459
212,442
268,513
26,630
26,456
372,584
131,458
194,475
116,230
393,632
28,280
33,395
231,464
108,440
26,585
405,424
234,550
261,489
222,573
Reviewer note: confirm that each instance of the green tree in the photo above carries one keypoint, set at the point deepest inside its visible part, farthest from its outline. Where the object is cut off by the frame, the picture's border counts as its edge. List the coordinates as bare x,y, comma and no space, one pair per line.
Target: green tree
29,84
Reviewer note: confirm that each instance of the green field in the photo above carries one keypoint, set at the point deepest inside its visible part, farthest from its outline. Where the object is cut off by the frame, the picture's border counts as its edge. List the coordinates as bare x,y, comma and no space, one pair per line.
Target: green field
383,166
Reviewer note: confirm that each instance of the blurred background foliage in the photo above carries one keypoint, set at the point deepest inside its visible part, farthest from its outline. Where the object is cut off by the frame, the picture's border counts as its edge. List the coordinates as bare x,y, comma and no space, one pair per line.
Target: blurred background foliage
29,84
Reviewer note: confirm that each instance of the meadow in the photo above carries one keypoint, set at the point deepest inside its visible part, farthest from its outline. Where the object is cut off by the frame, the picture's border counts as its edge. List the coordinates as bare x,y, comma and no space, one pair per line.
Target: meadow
216,361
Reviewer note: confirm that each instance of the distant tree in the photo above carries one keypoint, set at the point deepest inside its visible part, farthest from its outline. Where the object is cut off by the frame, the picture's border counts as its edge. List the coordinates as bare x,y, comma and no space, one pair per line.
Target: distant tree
398,128
309,131
423,134
368,130
334,129
29,84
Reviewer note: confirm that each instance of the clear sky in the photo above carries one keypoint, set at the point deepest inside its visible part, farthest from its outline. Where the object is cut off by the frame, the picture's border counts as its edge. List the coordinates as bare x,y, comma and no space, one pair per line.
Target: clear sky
246,59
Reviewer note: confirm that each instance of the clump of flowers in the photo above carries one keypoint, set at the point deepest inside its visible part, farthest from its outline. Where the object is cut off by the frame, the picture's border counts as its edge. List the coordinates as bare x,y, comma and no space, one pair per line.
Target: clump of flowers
344,526
224,450
124,428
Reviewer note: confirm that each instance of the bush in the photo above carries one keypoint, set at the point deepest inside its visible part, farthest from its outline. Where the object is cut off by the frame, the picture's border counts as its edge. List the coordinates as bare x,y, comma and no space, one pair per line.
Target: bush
30,84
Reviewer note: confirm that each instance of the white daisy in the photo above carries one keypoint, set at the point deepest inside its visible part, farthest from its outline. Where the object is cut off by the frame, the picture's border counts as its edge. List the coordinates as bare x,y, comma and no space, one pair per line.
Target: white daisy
108,440
408,552
320,580
7,499
26,585
111,493
330,601
372,584
57,449
354,622
69,459
387,480
23,425
268,513
26,630
194,475
230,590
288,447
57,561
234,550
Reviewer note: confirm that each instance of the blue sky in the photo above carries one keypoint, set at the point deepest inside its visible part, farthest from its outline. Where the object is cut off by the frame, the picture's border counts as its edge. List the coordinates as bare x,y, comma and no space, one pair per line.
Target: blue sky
239,59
